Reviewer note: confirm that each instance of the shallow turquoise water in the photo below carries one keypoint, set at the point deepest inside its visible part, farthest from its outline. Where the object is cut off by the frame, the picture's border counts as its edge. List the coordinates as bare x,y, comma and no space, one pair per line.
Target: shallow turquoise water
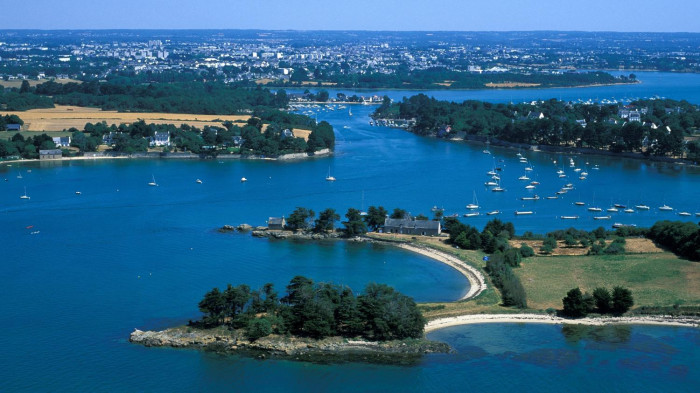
123,255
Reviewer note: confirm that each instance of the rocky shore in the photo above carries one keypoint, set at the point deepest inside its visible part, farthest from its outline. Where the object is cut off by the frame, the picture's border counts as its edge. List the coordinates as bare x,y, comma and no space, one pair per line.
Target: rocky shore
285,347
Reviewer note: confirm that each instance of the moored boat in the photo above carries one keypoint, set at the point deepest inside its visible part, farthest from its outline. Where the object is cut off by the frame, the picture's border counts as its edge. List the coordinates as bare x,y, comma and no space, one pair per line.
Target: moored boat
523,213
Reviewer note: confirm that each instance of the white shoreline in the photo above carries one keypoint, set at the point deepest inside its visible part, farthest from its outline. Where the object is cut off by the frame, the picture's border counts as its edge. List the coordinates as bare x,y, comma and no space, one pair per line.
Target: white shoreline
553,320
477,283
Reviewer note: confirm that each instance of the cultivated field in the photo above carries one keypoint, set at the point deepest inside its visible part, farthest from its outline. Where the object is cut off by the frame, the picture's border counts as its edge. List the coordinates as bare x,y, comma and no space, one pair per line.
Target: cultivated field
655,279
632,245
18,82
64,117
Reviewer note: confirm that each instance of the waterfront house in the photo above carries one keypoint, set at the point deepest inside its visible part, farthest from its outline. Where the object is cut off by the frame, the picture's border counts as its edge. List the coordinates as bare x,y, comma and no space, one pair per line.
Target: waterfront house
63,141
411,226
160,138
276,223
50,154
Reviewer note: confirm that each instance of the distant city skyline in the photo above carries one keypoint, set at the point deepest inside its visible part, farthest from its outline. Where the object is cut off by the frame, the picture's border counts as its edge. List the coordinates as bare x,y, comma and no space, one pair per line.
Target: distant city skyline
452,15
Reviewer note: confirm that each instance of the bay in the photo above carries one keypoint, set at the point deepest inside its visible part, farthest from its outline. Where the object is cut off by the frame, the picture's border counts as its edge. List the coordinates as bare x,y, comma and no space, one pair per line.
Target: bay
123,255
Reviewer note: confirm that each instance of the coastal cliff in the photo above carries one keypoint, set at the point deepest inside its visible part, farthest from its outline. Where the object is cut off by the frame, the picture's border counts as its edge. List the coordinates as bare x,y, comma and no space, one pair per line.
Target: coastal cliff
289,347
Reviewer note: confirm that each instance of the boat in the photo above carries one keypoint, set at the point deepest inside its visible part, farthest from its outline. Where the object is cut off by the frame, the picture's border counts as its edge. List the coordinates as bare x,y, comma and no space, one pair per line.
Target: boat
493,213
612,210
474,204
434,208
454,215
642,207
560,172
490,184
532,198
629,210
78,193
684,214
350,112
579,203
619,225
491,173
535,183
596,167
595,209
243,180
498,189
620,206
486,152
529,187
697,214
329,177
569,217
523,213
665,208
153,182
529,168
523,177
562,175
474,214
602,217
25,196
552,197
198,181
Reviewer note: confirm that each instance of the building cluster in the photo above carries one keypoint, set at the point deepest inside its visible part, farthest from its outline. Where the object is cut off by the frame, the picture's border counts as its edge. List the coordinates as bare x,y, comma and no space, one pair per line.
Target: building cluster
235,56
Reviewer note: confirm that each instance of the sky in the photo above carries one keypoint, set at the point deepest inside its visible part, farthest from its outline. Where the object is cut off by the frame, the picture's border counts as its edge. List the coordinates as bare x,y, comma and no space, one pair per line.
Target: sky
454,15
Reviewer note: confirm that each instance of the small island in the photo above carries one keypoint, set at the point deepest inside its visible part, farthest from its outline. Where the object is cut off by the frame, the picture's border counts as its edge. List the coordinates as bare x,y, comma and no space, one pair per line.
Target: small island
313,322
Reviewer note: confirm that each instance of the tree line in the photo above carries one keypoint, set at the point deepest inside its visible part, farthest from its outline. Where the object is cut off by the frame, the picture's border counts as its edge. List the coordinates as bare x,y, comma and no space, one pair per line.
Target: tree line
561,125
442,78
314,310
578,304
19,146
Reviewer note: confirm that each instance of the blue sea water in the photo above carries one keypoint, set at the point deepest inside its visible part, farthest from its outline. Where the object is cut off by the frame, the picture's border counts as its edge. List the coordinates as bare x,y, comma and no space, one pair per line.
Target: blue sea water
123,255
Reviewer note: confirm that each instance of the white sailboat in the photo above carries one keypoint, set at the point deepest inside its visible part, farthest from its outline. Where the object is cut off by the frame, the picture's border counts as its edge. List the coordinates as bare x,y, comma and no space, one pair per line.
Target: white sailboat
474,204
329,177
25,196
153,182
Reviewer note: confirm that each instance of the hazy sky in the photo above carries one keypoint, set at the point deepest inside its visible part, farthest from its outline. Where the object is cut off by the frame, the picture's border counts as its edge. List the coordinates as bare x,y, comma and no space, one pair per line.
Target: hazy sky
466,15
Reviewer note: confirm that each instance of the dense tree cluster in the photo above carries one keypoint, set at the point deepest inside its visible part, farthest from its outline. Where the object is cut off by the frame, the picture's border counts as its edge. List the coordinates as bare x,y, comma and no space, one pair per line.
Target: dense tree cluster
9,119
681,238
18,146
13,100
302,218
578,304
561,123
315,310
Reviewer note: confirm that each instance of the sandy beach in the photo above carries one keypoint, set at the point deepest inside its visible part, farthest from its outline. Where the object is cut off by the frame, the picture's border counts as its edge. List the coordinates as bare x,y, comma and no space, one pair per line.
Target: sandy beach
547,319
476,279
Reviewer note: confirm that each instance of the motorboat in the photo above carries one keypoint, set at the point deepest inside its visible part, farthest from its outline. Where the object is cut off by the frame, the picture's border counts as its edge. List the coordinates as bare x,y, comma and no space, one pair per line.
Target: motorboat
523,213
642,207
665,208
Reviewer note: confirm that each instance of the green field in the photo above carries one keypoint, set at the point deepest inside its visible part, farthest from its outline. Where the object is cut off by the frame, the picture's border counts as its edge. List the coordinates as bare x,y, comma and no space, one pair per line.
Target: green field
658,279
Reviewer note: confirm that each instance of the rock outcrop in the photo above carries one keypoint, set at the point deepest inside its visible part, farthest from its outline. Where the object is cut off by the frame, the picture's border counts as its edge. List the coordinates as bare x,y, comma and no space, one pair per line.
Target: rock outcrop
221,340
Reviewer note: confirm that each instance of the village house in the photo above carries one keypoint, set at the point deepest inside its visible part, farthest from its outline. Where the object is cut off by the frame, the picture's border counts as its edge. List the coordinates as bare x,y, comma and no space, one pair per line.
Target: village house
411,226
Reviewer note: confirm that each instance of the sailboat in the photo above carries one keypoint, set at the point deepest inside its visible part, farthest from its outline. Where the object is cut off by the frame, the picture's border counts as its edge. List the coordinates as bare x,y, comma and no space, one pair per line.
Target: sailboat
25,196
329,177
350,112
474,204
153,182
